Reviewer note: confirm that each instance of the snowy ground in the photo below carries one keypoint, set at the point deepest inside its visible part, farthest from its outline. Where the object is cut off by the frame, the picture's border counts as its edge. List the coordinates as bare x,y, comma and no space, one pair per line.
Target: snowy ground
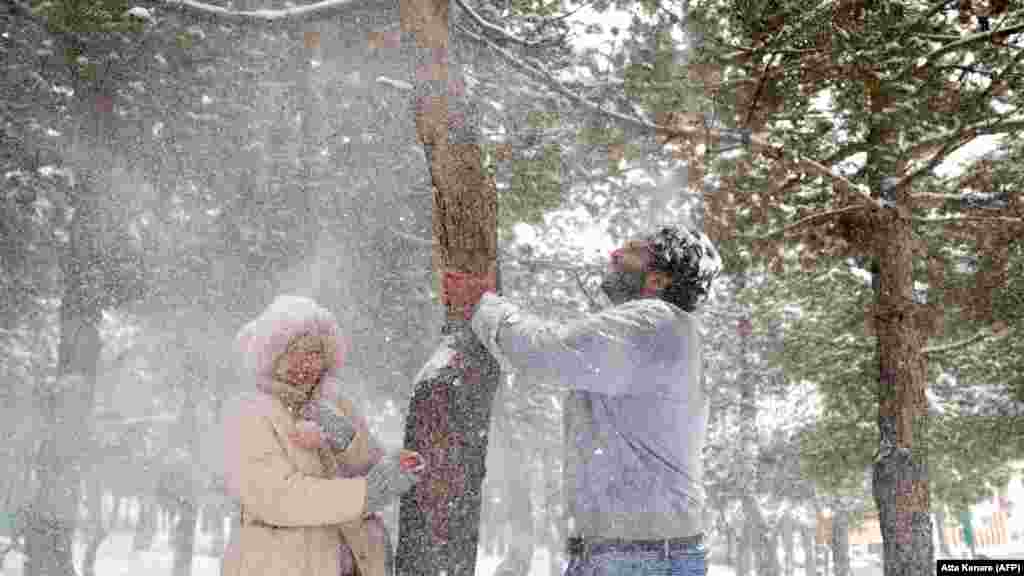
116,558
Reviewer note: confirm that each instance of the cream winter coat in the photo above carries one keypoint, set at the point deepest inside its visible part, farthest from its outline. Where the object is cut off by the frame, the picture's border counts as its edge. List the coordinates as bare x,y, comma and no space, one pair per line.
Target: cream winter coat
294,514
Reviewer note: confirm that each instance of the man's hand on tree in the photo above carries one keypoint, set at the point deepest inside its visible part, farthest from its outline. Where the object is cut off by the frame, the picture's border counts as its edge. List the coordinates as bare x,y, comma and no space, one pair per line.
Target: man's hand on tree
464,291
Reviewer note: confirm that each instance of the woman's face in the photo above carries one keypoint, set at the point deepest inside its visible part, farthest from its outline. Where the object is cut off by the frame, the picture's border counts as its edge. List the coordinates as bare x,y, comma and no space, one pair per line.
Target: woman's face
304,367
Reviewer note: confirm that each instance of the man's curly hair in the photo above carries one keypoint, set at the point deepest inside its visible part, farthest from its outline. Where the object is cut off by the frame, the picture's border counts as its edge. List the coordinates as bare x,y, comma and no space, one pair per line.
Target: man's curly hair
691,261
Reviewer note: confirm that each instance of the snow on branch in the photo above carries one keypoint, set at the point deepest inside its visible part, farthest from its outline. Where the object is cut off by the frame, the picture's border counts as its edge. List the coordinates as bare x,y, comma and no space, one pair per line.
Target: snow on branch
315,11
494,28
974,38
757,142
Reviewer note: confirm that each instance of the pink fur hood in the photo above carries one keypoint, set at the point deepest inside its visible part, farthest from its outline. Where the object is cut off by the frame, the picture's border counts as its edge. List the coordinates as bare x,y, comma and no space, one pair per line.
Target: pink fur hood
262,340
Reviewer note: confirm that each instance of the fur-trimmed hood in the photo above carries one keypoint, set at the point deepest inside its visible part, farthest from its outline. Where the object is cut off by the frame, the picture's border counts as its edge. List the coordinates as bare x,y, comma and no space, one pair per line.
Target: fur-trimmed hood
263,340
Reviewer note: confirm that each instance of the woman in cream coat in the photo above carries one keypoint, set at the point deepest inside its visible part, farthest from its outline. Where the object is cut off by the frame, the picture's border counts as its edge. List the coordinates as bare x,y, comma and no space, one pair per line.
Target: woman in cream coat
298,515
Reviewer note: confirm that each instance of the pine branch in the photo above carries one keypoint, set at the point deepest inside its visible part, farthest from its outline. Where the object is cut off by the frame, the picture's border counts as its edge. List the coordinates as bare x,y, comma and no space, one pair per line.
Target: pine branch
819,218
968,41
756,142
938,7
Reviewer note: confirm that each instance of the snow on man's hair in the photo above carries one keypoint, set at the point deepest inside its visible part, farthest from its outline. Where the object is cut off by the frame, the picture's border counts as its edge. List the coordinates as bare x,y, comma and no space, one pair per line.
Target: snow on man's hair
690,259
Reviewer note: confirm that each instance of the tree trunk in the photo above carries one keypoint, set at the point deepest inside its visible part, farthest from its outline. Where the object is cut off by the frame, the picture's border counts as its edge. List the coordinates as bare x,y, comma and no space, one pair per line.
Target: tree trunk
184,537
786,533
730,546
810,556
67,407
768,553
900,472
940,522
900,475
213,519
841,543
750,538
750,544
449,414
96,526
145,528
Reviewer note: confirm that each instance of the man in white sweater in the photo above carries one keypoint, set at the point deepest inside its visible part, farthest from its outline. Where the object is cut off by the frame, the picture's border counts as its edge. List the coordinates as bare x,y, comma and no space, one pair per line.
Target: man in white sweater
636,411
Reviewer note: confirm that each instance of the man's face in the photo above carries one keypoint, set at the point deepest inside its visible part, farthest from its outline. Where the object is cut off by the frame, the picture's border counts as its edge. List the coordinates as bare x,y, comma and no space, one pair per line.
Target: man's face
626,276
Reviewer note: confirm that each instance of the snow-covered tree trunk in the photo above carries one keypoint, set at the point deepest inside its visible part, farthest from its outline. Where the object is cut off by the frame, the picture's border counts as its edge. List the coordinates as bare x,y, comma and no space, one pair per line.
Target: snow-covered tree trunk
449,415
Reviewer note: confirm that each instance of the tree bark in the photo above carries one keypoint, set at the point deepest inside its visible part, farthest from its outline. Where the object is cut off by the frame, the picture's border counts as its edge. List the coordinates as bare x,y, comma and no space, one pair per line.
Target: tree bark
449,414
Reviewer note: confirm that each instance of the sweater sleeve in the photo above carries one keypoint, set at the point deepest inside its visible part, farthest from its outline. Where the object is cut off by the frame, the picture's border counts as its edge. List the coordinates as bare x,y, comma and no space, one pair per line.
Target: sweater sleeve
601,352
274,491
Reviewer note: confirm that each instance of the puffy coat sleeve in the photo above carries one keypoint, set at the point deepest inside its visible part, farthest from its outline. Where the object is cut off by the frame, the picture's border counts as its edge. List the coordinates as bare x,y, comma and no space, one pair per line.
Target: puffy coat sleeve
363,452
601,352
274,491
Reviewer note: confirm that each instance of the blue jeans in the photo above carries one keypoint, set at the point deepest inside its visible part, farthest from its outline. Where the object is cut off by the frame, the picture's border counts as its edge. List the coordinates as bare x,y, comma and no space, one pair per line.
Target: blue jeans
690,561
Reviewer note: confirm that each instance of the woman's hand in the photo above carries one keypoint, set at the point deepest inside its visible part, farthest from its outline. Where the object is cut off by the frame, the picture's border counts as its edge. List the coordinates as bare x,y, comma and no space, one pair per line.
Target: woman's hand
307,434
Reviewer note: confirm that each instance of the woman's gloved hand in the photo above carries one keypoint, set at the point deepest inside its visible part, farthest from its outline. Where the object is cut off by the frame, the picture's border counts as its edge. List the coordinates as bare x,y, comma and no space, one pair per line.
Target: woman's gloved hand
336,428
387,481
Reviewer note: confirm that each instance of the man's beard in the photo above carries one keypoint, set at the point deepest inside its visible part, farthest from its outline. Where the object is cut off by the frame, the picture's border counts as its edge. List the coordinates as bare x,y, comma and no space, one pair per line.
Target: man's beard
623,286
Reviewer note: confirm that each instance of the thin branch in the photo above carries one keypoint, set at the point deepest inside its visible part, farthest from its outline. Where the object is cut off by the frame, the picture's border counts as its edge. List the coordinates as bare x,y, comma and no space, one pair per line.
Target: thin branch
934,197
806,221
494,28
424,242
938,7
315,11
551,264
947,219
969,40
959,139
1002,125
579,282
397,84
979,337
757,142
